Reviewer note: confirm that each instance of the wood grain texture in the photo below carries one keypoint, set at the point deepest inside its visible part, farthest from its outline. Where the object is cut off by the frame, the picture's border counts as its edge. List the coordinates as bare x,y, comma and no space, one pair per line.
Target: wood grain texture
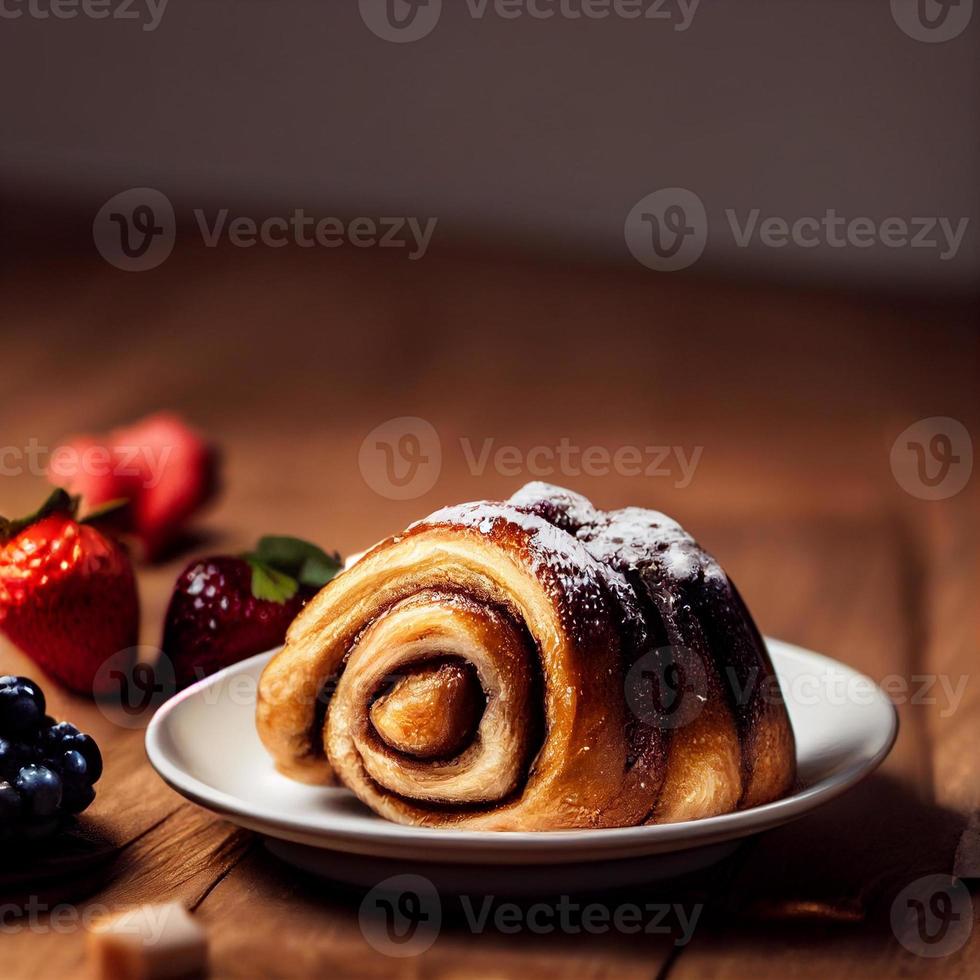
823,887
793,398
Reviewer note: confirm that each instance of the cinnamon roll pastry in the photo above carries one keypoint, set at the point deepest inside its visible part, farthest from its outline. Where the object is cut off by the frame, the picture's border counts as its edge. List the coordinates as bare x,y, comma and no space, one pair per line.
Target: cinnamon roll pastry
535,664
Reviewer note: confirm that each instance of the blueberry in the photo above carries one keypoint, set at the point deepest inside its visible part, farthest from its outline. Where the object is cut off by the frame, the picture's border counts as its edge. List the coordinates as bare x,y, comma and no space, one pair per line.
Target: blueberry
14,755
74,766
29,751
40,789
93,757
63,729
77,797
21,709
64,737
78,792
58,733
35,689
10,805
11,759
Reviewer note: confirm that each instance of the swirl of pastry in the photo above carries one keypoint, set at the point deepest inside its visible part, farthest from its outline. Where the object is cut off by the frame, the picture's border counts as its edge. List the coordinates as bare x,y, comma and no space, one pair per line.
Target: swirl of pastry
509,666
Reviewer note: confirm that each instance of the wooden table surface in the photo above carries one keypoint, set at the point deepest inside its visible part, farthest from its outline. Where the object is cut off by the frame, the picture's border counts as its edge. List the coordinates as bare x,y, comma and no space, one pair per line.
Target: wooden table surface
794,397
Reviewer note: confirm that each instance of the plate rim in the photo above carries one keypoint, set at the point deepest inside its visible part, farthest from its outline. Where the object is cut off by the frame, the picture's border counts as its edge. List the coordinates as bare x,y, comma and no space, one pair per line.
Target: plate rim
397,840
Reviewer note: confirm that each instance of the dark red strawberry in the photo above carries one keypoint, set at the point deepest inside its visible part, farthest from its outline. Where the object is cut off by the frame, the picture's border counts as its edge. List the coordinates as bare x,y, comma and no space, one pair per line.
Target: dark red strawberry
67,594
227,608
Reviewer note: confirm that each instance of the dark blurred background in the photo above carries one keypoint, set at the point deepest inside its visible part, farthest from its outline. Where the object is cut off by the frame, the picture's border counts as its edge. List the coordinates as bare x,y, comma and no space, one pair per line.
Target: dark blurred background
526,319
538,132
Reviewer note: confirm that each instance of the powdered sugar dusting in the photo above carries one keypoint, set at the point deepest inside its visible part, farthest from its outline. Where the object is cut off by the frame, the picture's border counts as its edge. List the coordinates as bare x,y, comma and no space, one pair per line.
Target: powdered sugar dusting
580,584
629,539
584,556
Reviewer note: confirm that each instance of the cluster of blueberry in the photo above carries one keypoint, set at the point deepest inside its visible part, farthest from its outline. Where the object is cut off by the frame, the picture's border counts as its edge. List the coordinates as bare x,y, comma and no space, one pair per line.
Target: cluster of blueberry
47,768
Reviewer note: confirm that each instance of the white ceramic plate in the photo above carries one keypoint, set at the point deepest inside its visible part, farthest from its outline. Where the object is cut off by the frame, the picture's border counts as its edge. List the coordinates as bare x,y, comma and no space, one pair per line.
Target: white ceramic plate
204,744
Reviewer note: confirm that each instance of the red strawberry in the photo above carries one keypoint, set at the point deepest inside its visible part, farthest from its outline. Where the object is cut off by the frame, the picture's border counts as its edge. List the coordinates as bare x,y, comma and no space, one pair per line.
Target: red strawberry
227,608
67,595
164,468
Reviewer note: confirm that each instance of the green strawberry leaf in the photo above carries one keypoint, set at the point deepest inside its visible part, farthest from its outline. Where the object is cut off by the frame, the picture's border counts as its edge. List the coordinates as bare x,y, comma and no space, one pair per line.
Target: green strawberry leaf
317,570
299,559
269,583
112,515
58,502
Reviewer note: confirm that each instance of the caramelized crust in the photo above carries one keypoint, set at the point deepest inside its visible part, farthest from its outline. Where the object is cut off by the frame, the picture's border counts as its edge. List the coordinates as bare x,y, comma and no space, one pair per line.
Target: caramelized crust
531,665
